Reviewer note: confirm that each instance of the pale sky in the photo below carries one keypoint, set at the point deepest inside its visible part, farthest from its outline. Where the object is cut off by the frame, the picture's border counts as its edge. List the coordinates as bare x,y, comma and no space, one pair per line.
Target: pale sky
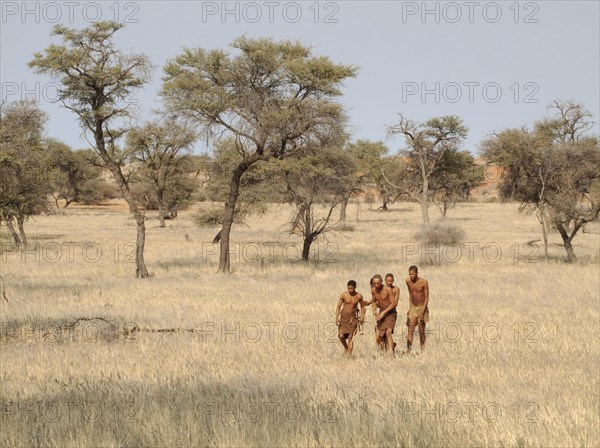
494,64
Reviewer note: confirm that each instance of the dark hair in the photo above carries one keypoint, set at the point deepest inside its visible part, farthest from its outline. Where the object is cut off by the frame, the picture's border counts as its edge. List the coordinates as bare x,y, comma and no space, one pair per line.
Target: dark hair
351,283
389,275
377,276
371,281
413,268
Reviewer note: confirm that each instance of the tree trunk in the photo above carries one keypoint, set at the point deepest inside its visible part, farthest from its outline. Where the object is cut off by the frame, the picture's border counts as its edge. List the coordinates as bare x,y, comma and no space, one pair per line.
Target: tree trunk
161,208
224,256
423,201
21,224
385,199
424,210
544,224
545,236
570,252
567,243
343,207
115,168
444,207
13,232
306,247
140,265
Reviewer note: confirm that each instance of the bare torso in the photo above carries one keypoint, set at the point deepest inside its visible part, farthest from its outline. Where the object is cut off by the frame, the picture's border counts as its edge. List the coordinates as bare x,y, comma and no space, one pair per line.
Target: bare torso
383,297
350,302
416,290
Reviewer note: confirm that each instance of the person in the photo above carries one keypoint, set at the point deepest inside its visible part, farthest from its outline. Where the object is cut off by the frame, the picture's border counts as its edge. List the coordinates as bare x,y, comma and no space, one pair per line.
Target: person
418,311
384,311
346,316
367,303
389,281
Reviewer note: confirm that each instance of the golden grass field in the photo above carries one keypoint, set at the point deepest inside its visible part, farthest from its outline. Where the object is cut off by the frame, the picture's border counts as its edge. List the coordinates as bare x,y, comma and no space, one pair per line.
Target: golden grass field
512,356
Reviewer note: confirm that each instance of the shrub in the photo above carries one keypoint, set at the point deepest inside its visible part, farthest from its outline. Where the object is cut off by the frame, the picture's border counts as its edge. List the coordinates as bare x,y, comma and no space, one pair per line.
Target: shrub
345,227
211,217
200,196
441,233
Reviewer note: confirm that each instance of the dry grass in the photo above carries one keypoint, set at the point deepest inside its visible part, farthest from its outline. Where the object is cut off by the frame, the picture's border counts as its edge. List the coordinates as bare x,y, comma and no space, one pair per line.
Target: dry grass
512,357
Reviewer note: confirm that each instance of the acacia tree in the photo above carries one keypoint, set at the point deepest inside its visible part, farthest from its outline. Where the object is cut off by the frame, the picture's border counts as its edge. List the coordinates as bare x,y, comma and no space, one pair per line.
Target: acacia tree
273,98
74,175
257,186
24,180
570,123
553,170
575,199
353,187
160,153
428,143
456,176
574,167
318,180
520,156
96,80
370,157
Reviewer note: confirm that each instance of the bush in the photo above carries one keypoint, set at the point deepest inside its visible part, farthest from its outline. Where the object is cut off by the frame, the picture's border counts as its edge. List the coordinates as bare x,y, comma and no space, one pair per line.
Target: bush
441,233
200,196
345,227
211,217
95,193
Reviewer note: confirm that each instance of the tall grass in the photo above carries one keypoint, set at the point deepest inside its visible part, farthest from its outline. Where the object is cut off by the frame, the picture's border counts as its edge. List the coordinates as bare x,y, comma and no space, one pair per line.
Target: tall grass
511,359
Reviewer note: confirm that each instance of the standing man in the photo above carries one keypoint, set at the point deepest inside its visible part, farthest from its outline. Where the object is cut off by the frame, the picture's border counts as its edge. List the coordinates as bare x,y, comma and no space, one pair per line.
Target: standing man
346,316
418,313
389,282
384,311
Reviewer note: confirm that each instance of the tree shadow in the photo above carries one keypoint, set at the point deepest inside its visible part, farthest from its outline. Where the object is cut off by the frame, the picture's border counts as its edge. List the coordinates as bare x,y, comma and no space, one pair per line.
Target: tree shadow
46,237
171,413
178,263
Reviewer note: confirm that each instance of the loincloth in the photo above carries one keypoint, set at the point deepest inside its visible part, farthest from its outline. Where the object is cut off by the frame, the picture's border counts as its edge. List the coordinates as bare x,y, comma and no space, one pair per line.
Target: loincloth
348,324
414,312
387,323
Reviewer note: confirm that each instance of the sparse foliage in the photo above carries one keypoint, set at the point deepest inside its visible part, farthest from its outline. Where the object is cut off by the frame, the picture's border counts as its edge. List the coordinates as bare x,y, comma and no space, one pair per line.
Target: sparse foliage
96,80
316,184
75,176
428,145
272,98
24,180
159,153
371,157
553,170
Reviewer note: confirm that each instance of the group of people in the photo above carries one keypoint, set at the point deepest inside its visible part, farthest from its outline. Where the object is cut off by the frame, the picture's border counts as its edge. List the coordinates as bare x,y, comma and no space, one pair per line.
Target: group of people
384,301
